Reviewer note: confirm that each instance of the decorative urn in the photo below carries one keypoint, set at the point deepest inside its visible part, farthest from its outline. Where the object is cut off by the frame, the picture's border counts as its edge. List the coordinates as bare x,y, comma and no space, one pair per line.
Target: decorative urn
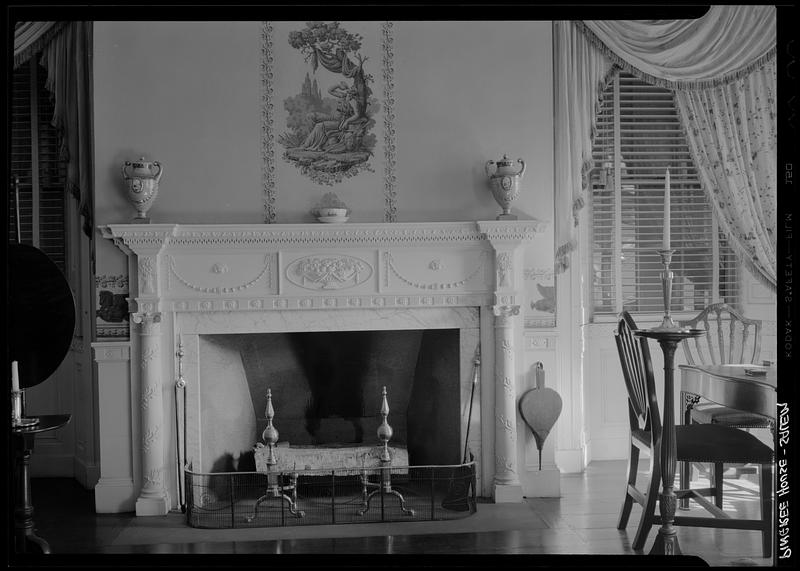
504,182
141,183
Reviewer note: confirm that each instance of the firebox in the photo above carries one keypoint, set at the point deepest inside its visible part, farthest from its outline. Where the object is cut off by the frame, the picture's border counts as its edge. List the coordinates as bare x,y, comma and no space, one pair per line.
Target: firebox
326,390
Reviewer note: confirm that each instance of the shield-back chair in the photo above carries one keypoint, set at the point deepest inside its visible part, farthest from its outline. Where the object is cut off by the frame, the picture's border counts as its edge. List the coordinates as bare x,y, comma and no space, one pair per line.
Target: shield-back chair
694,442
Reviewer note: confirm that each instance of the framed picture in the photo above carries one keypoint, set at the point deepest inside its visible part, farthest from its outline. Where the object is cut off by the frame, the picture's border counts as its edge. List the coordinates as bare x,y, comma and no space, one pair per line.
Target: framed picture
328,114
112,306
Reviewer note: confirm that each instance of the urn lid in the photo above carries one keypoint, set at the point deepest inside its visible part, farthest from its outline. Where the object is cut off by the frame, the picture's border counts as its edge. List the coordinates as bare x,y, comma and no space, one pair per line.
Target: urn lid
142,163
504,162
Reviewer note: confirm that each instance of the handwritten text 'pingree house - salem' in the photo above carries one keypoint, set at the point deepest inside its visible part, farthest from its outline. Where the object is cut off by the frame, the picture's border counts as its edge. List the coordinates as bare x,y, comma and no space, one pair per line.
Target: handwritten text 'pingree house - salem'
784,541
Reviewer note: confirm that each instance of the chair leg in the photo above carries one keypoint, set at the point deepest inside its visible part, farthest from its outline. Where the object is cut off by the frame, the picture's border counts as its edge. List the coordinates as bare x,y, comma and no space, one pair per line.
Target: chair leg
719,470
766,509
649,507
627,504
686,467
685,483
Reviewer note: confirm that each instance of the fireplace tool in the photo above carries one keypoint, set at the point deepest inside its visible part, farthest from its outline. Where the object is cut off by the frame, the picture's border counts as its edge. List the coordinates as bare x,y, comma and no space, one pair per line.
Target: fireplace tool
275,489
458,490
180,386
540,408
385,486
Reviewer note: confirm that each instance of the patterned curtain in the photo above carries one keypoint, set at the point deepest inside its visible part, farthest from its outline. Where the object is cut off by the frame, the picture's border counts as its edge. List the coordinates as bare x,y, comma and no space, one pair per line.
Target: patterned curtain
731,132
722,70
581,73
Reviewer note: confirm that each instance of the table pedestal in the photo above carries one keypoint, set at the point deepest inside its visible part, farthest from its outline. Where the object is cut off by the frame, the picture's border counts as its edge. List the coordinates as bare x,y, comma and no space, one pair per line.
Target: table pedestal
23,438
667,539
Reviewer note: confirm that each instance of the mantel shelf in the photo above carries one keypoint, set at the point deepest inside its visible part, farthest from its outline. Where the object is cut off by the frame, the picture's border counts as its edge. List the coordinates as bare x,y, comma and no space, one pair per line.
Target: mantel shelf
299,235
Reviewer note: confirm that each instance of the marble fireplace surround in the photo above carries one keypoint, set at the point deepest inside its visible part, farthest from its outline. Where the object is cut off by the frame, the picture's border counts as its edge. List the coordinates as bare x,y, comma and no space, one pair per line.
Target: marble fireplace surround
191,280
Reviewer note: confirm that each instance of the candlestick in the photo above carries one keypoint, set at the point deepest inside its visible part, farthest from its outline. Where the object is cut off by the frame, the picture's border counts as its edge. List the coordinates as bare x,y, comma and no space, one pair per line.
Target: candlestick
18,418
666,243
14,376
666,284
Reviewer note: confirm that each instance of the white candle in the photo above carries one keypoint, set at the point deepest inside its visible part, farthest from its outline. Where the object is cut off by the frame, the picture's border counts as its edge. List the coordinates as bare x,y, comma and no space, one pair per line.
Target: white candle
666,244
14,376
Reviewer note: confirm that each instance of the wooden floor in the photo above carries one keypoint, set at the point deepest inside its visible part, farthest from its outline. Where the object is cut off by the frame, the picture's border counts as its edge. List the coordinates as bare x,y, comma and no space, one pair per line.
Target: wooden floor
582,521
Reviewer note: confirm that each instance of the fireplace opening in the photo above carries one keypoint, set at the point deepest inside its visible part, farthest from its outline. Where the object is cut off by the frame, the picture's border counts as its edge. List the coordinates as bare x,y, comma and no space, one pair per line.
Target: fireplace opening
326,391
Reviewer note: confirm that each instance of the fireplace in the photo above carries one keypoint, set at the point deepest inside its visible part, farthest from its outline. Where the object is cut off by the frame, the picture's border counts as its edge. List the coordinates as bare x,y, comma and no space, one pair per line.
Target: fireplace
326,390
223,309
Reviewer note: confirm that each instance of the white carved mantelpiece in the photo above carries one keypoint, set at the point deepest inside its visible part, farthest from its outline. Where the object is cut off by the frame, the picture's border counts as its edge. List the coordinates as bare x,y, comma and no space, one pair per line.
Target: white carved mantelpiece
192,280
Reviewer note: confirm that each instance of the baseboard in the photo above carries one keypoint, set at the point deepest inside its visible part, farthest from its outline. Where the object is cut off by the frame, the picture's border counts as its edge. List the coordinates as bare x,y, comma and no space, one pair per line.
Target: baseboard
114,495
86,474
607,449
570,461
544,483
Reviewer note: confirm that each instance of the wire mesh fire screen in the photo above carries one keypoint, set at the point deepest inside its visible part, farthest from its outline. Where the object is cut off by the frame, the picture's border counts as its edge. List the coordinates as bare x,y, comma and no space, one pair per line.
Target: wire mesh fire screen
339,496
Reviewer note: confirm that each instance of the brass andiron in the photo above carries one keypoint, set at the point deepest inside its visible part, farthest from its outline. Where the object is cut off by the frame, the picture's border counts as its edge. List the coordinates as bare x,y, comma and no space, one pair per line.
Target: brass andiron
667,324
384,434
274,488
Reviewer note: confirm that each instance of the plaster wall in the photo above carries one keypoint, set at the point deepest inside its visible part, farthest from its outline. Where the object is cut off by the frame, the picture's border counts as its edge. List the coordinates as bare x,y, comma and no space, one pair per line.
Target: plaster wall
188,94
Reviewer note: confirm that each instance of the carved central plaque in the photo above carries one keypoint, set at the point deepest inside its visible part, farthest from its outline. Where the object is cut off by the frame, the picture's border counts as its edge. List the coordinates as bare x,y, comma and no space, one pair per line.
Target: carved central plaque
328,272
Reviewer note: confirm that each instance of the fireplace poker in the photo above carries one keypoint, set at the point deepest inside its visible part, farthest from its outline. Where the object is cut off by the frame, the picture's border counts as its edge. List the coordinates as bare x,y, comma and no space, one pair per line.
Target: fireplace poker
180,385
476,363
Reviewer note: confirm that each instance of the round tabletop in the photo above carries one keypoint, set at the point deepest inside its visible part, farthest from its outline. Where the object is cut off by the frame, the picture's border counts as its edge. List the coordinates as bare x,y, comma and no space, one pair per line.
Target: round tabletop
669,334
46,422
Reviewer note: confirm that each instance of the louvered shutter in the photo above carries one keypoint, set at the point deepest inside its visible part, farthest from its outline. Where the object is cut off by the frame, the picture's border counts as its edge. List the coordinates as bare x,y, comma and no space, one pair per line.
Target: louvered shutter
35,161
638,137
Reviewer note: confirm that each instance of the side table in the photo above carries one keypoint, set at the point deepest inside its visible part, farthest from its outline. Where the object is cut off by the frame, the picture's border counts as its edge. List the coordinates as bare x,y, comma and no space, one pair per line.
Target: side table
666,542
23,438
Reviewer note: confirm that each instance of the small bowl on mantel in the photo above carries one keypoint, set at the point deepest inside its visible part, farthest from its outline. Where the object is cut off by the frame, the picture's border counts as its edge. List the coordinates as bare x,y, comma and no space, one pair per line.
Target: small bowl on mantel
332,215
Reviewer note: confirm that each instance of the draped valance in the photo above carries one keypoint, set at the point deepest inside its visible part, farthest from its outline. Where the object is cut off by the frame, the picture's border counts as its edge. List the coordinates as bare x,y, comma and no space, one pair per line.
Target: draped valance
721,69
726,44
32,37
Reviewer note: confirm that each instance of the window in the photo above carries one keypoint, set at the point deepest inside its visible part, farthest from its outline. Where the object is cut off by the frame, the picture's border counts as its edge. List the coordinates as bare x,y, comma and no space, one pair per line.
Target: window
35,161
638,138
